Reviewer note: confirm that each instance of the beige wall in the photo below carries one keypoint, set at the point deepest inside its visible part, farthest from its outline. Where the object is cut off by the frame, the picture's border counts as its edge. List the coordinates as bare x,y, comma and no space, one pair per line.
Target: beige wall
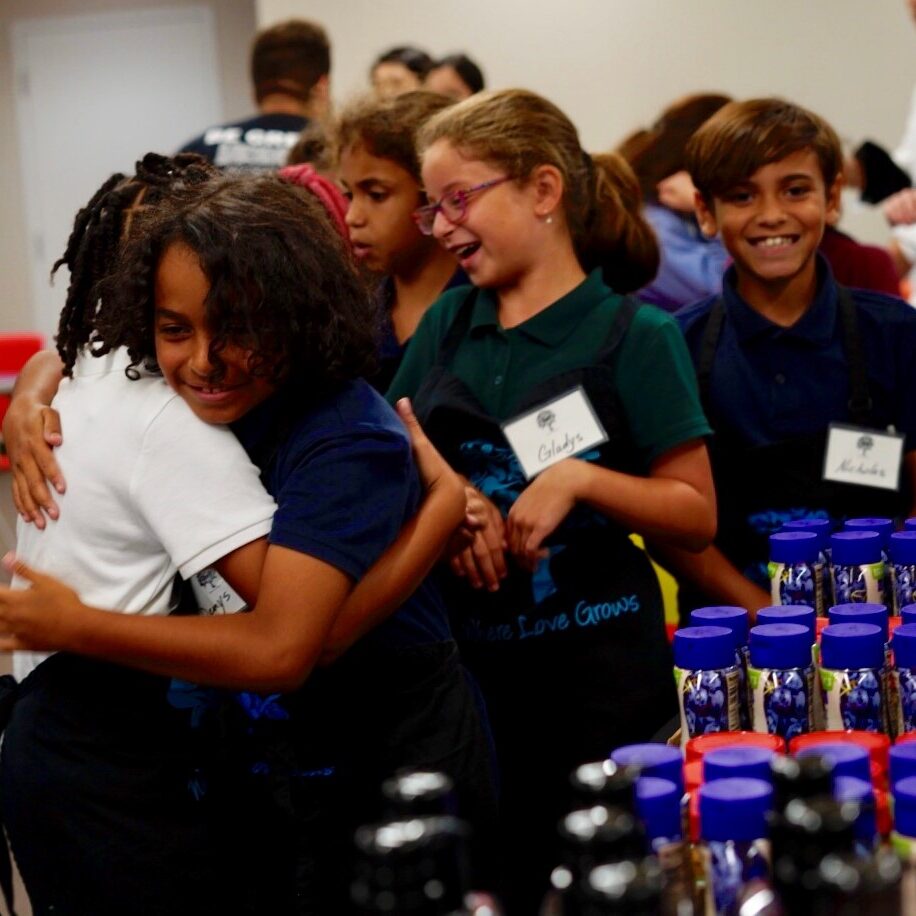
613,64
235,26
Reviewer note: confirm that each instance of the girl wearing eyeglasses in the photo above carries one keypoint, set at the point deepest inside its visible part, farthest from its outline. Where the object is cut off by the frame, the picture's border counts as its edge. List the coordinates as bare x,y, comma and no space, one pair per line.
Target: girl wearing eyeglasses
380,171
559,614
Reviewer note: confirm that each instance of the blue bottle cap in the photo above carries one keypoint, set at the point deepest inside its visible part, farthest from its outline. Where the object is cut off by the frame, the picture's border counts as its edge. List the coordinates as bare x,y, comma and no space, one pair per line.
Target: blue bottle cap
728,762
734,618
903,643
855,548
735,809
848,759
821,527
902,758
658,804
908,613
789,613
653,760
883,526
860,613
904,793
848,788
704,648
780,646
903,548
794,547
910,524
852,646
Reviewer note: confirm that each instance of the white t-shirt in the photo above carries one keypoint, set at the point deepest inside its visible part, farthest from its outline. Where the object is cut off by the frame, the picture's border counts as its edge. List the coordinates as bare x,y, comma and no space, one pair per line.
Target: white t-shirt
151,491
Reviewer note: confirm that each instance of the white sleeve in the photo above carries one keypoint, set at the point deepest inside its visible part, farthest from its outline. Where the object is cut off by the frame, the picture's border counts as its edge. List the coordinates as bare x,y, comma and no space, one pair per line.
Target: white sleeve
197,489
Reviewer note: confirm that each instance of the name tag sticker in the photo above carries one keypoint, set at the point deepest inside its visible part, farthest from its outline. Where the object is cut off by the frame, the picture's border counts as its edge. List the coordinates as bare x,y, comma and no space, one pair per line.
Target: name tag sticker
557,429
214,594
865,457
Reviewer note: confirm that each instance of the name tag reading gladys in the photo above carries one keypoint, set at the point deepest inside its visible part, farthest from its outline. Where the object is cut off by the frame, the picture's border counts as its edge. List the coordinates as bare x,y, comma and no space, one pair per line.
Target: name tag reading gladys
214,594
865,457
557,429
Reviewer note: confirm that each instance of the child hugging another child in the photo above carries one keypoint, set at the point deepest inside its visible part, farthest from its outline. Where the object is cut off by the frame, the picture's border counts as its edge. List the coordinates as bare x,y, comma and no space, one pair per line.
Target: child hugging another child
235,303
380,172
567,637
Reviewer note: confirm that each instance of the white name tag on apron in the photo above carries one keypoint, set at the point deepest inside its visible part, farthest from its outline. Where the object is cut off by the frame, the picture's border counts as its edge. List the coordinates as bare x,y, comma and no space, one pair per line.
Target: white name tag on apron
557,429
861,456
214,595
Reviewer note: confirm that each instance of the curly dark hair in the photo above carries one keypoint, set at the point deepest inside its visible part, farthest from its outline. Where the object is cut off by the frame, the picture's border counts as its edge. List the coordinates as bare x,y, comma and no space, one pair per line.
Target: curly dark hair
98,229
283,284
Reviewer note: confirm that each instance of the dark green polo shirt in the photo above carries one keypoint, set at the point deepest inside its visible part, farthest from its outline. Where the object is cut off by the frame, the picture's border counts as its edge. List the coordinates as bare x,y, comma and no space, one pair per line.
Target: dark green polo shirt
655,377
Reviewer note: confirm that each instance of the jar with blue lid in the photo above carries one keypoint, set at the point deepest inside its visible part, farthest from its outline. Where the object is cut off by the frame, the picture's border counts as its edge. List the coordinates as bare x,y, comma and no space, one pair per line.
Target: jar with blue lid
652,759
903,569
793,569
706,675
884,528
739,761
860,791
783,681
733,828
852,663
904,677
857,571
737,620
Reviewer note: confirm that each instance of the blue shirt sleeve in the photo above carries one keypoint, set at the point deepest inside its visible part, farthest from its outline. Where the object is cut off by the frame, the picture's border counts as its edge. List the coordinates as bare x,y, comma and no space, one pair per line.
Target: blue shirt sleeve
344,497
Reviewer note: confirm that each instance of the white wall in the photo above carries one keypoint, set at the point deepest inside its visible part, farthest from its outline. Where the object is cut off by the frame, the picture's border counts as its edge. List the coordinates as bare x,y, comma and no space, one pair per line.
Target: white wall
613,64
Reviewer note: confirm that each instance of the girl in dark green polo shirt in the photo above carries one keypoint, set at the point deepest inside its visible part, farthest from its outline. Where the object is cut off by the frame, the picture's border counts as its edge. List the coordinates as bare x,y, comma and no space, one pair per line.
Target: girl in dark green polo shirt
560,615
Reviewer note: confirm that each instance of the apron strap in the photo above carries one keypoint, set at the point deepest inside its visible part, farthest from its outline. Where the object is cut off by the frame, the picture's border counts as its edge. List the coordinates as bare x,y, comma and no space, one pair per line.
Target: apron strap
860,402
708,345
457,331
619,327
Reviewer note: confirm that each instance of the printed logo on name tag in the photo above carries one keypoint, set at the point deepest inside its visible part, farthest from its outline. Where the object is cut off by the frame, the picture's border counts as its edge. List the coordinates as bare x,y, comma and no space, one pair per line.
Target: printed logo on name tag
214,595
865,457
557,429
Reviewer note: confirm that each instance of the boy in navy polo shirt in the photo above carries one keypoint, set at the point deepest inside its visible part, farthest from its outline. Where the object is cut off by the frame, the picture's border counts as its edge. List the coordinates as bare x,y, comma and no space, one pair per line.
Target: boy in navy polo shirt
785,351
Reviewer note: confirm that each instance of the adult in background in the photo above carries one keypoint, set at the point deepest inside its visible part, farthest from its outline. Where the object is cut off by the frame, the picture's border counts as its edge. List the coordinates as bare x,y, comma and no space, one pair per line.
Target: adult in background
290,70
455,76
399,70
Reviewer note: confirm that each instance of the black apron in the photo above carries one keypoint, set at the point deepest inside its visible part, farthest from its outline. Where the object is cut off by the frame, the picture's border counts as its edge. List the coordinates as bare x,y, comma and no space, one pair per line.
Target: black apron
573,660
760,488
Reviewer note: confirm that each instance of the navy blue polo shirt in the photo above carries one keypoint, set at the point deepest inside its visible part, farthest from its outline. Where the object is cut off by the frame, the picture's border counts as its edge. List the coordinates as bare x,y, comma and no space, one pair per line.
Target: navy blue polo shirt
343,476
769,383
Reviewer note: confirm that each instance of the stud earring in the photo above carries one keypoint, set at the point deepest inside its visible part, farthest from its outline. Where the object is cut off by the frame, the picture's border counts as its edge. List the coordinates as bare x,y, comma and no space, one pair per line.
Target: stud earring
549,220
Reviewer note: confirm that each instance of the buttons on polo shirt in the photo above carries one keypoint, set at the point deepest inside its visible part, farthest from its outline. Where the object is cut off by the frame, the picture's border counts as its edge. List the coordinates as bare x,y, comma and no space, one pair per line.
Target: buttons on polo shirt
779,378
497,380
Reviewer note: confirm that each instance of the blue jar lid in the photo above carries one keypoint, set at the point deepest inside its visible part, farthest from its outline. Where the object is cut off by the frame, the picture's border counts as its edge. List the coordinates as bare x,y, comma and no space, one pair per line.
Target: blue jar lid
903,548
734,618
659,760
908,613
658,804
882,526
860,613
780,646
855,548
728,762
910,524
794,547
903,643
789,613
735,809
848,759
902,759
852,646
820,527
860,791
904,793
704,648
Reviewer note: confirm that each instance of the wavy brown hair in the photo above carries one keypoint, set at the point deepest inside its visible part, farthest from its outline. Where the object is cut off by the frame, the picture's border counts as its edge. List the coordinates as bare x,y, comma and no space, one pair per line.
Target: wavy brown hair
517,131
282,284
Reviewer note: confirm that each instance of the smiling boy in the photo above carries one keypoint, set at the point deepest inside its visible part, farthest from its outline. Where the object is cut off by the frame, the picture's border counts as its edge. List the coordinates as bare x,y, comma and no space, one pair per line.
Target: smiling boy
785,351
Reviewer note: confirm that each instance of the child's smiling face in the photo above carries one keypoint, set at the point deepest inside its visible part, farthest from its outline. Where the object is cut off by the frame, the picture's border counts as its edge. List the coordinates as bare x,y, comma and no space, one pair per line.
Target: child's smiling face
773,222
217,391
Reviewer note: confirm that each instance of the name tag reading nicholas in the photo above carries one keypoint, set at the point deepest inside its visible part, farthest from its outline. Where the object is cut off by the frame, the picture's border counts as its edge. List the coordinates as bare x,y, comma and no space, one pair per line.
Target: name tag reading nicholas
557,429
865,457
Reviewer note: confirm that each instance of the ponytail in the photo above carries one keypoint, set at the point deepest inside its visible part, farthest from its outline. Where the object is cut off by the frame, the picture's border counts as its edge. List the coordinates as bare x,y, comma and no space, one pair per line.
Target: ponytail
615,235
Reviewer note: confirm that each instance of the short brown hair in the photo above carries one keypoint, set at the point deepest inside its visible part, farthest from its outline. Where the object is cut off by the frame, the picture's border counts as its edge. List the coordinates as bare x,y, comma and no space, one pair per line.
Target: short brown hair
290,58
388,128
744,136
517,131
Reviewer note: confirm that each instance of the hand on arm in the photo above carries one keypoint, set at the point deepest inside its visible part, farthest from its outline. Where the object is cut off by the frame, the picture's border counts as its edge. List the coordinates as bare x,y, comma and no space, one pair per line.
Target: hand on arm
31,430
676,503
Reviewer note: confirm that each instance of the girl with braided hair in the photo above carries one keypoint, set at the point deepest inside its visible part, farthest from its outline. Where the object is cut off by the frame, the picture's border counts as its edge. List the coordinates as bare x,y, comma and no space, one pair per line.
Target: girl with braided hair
560,615
234,302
